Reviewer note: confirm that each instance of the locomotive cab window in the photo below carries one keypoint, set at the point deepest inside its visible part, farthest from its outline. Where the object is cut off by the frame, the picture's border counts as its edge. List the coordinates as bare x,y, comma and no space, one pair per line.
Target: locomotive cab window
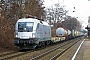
37,26
25,26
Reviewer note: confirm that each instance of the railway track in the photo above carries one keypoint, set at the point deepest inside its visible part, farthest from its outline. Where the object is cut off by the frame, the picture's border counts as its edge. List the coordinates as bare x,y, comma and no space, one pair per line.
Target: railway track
38,53
48,55
10,55
7,53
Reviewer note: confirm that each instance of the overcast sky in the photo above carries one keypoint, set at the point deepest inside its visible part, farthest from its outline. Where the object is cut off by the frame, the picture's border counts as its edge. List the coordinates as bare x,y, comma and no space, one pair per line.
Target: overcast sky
82,8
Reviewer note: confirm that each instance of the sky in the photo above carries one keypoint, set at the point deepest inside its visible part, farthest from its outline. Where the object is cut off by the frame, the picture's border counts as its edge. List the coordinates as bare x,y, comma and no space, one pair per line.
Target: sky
82,8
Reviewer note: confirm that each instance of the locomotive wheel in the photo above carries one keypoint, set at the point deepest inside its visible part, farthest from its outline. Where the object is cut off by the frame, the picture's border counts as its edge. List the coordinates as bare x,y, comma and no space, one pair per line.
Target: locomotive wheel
41,44
47,42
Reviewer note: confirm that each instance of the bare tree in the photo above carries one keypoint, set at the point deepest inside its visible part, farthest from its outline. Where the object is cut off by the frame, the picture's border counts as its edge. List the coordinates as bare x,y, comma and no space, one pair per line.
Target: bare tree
55,14
34,8
12,10
71,23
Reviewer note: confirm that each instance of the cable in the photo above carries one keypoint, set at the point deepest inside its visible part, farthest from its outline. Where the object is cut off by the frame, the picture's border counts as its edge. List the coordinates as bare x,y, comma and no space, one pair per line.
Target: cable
82,21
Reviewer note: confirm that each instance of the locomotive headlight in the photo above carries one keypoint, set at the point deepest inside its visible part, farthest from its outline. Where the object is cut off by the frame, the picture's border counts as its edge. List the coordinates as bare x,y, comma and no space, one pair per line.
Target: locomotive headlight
33,35
24,28
16,35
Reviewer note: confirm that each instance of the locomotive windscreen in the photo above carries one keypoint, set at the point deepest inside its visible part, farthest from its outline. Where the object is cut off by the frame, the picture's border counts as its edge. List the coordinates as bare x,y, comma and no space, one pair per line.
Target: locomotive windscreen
25,26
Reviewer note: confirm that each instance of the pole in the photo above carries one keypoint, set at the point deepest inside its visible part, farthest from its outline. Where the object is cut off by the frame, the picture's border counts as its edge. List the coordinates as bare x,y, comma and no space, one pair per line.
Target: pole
0,11
0,8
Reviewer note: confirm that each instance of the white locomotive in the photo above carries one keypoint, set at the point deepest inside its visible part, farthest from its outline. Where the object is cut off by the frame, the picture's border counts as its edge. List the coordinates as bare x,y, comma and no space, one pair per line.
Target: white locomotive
32,32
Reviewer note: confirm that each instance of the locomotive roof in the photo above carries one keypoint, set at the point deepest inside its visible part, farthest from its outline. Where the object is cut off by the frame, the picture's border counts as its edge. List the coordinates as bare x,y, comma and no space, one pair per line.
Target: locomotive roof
33,20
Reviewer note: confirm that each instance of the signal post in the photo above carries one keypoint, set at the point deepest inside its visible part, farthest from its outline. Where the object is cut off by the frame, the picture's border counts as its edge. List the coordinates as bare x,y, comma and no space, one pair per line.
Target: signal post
88,26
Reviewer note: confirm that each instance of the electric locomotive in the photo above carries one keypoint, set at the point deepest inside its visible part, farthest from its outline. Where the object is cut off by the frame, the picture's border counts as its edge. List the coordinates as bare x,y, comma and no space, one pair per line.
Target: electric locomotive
32,32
